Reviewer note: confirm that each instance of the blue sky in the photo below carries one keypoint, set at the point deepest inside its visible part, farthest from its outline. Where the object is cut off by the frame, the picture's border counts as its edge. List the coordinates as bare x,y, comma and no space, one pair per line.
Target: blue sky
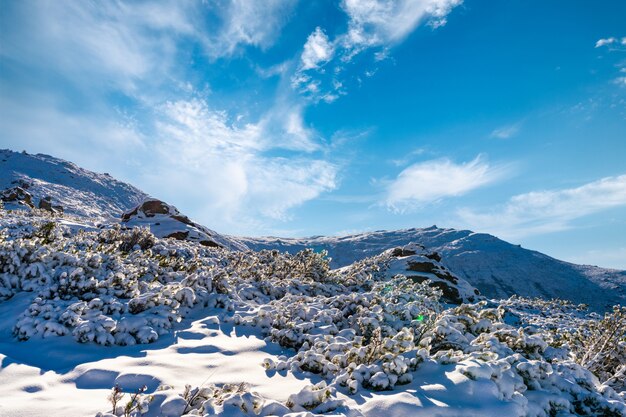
301,118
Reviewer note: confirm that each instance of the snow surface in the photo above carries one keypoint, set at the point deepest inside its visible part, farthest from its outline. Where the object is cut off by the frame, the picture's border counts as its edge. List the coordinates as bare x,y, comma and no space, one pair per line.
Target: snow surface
497,268
86,306
294,338
58,377
77,190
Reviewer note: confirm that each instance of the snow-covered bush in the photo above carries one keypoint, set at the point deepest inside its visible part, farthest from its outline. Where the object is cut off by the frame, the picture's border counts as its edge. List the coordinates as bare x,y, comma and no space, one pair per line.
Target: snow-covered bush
354,327
108,287
364,336
600,346
221,400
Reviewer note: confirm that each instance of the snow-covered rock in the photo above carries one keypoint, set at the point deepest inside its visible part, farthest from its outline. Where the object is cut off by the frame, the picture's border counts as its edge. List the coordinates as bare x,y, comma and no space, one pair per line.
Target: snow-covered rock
420,264
165,220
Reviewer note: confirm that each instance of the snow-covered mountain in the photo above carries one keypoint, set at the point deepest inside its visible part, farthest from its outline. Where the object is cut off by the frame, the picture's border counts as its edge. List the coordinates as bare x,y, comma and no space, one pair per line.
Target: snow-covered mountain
42,178
497,268
172,322
50,183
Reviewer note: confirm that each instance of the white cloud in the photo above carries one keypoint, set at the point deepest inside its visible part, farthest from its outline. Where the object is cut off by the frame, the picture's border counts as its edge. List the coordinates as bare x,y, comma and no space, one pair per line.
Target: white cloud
220,168
378,24
548,211
427,182
246,22
506,132
227,168
133,45
611,41
34,121
113,42
605,41
317,50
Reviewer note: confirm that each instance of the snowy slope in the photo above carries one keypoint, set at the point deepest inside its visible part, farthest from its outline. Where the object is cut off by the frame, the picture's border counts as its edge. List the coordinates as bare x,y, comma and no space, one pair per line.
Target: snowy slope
77,190
264,334
497,268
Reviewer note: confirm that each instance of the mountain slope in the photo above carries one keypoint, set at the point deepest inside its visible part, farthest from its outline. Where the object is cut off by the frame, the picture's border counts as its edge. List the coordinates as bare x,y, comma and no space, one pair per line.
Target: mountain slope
78,191
497,268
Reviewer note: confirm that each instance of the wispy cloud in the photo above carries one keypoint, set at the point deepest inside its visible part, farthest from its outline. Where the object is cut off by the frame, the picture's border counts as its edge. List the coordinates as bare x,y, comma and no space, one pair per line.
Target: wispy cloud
540,212
612,41
114,84
506,132
615,45
375,25
244,22
408,157
116,43
428,182
384,22
226,167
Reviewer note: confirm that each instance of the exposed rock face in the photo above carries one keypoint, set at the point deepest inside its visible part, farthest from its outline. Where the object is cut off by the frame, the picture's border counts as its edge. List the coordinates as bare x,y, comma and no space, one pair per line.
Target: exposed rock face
166,221
419,264
149,208
17,195
47,204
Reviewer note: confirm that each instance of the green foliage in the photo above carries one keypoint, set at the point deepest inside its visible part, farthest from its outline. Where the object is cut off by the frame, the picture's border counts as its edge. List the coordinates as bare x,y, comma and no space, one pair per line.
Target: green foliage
46,232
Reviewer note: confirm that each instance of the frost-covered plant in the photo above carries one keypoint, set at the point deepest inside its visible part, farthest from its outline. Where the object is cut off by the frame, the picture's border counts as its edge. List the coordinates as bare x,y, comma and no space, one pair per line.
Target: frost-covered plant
601,347
138,403
364,336
234,399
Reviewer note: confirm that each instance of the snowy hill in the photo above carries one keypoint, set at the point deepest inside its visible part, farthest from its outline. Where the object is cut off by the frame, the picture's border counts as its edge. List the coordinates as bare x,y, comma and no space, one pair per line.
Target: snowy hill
168,320
76,190
497,268
126,323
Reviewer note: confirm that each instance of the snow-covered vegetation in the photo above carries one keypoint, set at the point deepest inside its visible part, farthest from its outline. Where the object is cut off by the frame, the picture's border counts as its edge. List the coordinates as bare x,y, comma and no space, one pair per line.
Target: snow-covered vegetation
497,268
349,331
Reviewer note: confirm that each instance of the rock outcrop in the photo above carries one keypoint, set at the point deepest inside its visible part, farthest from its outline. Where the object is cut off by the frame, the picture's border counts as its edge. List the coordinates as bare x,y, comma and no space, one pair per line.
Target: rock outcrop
420,264
166,221
17,196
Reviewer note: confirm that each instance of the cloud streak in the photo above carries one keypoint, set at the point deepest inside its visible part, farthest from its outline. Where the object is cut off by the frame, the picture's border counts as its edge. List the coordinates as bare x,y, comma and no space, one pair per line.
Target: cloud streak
243,23
375,25
541,212
228,167
506,132
428,182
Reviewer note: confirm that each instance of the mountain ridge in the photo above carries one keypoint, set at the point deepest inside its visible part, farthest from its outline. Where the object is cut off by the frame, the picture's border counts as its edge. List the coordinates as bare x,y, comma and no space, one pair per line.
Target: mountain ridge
497,268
